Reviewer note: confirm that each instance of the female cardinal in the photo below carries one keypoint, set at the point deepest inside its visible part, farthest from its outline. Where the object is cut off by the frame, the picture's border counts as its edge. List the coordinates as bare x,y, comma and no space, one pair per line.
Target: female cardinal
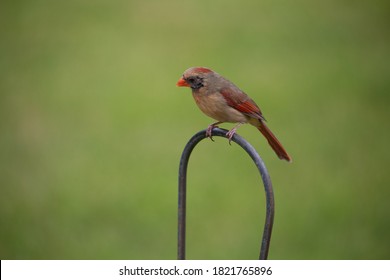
221,100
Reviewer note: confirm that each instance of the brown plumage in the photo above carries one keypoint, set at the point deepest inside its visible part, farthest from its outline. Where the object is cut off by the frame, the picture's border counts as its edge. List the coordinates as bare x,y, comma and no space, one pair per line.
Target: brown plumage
221,100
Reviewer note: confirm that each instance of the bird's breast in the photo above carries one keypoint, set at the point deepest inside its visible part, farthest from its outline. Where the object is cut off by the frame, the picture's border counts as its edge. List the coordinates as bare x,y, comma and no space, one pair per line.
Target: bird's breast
215,106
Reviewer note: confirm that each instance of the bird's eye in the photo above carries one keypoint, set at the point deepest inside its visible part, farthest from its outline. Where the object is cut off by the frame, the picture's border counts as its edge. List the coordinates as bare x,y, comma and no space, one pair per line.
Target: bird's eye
195,82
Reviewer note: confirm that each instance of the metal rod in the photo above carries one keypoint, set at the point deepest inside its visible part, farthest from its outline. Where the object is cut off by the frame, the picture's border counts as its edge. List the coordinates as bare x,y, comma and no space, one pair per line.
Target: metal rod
269,194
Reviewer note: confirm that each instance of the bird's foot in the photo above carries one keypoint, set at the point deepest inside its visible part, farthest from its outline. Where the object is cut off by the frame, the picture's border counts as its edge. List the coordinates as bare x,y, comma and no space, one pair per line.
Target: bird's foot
210,128
209,131
230,134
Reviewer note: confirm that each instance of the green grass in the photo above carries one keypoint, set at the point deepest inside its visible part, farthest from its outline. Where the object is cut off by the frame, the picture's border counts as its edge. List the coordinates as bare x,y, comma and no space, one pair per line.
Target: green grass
93,127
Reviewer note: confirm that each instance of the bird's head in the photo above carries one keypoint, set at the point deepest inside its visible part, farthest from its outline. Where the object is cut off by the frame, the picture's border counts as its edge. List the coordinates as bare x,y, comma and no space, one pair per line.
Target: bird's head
195,77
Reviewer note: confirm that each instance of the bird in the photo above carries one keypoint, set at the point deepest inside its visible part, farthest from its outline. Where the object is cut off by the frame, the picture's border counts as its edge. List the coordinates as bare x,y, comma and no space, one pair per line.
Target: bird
223,101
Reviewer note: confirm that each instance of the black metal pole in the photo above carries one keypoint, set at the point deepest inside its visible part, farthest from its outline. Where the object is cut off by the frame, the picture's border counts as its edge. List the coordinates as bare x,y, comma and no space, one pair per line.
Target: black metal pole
270,205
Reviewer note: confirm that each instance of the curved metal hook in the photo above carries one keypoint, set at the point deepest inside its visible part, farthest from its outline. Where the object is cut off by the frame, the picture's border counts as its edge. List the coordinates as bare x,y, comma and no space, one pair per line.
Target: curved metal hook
270,204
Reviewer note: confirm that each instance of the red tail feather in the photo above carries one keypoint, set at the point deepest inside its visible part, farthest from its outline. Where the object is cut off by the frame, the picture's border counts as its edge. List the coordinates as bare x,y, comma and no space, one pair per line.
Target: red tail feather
274,142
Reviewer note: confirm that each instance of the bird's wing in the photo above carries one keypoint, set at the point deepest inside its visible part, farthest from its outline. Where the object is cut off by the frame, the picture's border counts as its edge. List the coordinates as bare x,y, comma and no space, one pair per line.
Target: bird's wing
242,102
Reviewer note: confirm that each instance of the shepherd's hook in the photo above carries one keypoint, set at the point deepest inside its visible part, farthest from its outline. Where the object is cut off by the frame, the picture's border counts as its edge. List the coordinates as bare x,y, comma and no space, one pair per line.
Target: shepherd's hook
269,194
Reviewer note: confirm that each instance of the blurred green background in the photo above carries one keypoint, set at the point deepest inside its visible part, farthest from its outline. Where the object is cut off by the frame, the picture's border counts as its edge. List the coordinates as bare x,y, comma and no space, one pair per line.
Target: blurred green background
93,126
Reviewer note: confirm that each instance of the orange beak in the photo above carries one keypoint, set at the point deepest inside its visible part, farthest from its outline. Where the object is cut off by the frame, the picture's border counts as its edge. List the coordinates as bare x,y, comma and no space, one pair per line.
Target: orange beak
182,83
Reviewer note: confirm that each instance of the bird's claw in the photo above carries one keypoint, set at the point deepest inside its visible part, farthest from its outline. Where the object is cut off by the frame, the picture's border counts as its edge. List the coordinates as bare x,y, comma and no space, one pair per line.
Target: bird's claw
230,135
209,131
